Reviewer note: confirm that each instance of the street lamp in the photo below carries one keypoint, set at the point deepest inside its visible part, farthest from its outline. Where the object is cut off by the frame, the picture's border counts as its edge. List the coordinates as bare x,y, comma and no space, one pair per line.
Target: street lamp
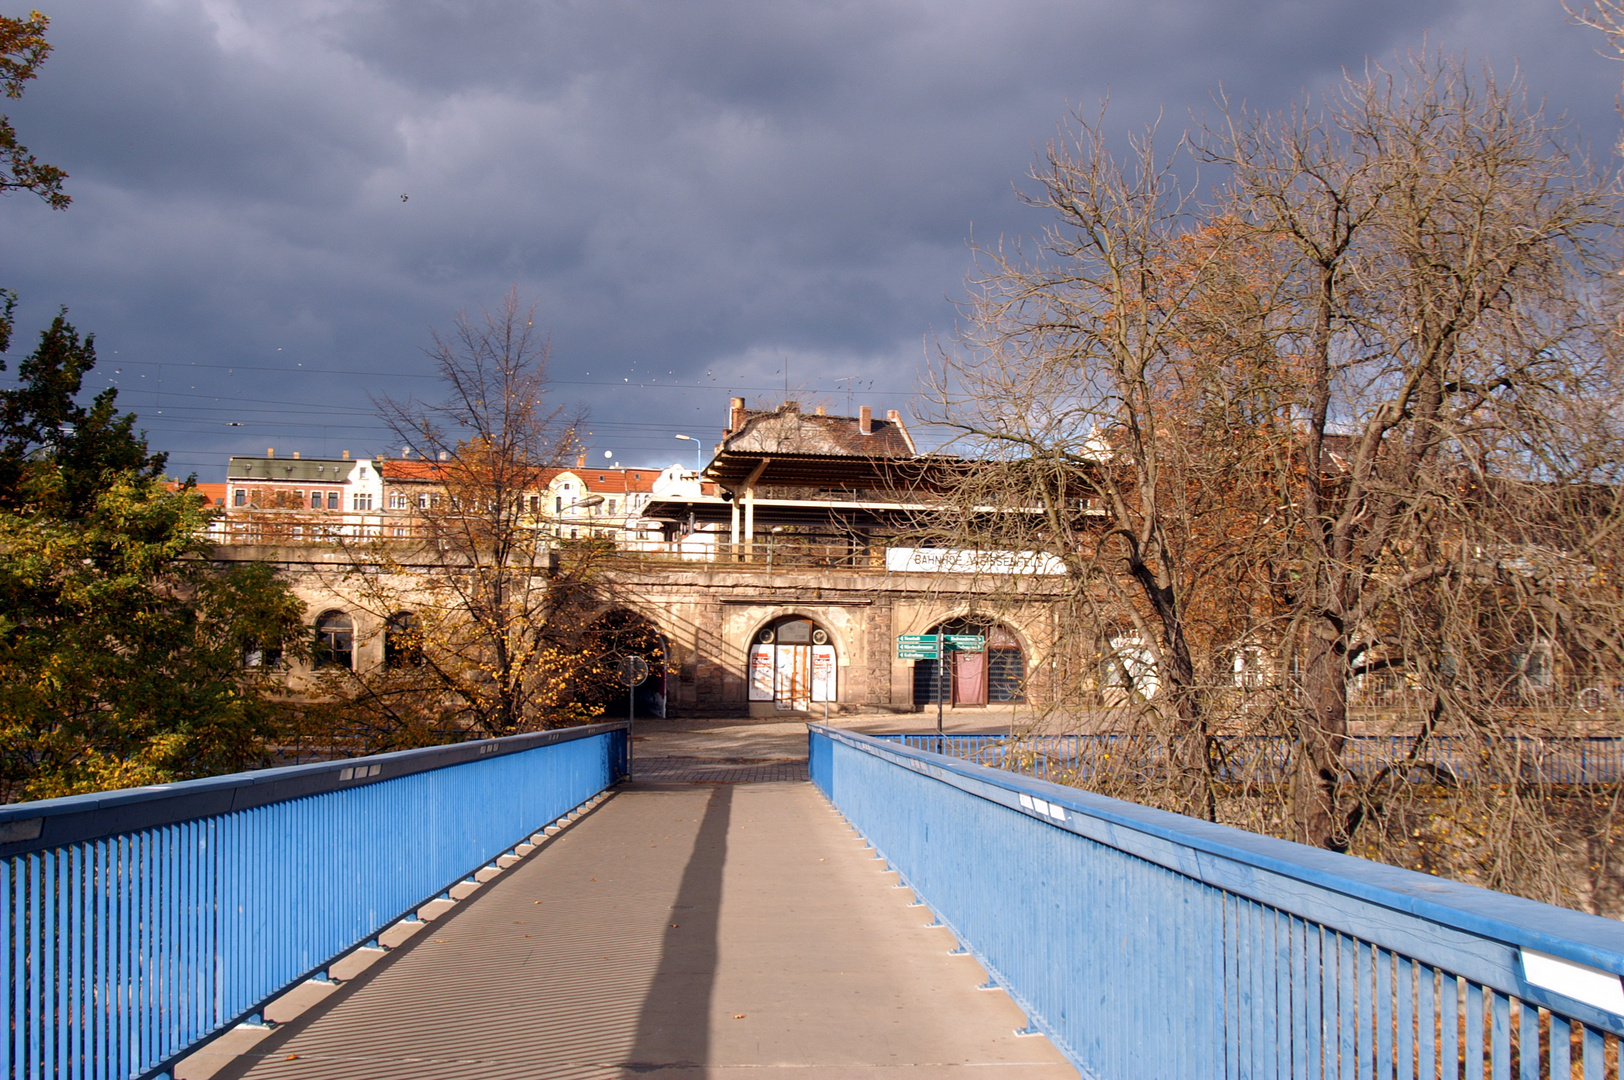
590,500
690,438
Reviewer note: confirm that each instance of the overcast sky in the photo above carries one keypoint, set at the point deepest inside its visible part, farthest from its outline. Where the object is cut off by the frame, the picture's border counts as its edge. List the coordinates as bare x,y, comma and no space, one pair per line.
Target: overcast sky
701,198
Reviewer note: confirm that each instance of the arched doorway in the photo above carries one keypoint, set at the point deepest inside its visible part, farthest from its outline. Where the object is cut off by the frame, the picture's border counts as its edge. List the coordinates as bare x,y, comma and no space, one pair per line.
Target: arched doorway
996,676
792,666
620,633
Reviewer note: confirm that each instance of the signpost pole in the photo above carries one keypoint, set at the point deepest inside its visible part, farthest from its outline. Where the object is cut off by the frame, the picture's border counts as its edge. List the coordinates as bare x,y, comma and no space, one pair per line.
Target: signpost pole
941,663
633,670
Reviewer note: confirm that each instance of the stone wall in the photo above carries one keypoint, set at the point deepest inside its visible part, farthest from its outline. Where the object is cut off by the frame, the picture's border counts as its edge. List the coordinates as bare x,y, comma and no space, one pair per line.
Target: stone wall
708,615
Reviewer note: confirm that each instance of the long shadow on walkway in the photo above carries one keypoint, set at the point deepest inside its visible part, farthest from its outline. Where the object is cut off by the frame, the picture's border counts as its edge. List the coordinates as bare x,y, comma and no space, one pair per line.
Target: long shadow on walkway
673,1028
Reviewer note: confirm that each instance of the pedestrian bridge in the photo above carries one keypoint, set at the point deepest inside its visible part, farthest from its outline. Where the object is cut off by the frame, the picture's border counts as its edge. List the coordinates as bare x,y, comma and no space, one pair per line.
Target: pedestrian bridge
519,908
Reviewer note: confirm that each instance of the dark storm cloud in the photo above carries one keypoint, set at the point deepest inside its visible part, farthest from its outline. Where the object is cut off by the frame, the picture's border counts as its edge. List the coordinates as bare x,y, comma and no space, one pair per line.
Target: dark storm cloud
714,195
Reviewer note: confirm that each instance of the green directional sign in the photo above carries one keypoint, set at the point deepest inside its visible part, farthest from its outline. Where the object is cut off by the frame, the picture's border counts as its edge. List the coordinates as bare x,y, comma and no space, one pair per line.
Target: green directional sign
925,646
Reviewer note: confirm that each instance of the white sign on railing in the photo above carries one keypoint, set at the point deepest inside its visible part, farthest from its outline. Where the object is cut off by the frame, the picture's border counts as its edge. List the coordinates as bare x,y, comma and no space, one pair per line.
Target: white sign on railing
954,561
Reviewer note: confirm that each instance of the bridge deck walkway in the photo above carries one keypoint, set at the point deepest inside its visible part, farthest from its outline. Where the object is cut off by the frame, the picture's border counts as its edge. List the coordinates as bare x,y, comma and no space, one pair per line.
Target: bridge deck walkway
679,930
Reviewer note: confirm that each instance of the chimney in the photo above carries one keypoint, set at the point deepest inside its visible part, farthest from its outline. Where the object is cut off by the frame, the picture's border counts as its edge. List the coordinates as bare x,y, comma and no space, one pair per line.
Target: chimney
444,456
893,416
865,420
270,451
735,415
792,406
580,461
346,455
823,410
296,455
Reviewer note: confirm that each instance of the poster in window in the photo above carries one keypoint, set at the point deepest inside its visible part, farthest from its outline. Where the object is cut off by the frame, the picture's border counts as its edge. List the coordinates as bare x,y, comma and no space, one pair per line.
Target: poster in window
761,673
794,677
823,673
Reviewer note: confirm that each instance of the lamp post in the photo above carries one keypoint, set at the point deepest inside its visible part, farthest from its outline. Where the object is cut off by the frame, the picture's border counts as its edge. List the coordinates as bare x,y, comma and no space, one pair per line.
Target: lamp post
690,438
590,500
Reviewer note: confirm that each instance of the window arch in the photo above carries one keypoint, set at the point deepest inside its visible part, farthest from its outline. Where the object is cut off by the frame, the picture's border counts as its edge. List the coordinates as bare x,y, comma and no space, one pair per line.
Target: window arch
335,640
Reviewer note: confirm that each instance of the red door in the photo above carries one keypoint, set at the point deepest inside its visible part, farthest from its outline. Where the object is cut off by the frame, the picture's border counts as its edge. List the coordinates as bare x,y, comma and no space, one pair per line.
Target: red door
970,678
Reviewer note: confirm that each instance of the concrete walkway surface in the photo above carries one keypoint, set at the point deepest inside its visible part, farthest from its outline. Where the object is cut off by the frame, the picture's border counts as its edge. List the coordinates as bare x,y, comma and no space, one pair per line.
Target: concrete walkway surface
676,930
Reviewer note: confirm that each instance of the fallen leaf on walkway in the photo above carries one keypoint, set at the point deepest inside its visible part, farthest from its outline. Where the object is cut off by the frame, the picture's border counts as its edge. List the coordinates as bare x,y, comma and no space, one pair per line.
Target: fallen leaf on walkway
738,1016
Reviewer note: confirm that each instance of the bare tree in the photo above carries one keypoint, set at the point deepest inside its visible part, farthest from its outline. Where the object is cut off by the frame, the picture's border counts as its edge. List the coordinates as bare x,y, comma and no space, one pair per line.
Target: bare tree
1103,439
1345,421
484,609
1434,236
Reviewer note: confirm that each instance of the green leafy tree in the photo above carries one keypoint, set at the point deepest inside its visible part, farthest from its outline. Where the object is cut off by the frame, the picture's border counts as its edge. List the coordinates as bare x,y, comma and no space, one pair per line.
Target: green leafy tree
23,49
121,647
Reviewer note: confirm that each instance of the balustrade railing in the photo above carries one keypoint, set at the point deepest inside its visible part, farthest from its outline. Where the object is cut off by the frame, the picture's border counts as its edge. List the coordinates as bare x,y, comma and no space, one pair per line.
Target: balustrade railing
1263,759
1145,944
140,923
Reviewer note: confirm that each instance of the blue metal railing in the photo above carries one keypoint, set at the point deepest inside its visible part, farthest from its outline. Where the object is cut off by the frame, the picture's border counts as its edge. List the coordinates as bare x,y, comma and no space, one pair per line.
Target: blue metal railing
142,922
1264,759
1146,944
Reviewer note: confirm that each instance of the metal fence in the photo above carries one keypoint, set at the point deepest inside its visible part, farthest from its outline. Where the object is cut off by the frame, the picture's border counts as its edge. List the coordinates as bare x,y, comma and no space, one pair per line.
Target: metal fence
1261,759
141,922
1146,944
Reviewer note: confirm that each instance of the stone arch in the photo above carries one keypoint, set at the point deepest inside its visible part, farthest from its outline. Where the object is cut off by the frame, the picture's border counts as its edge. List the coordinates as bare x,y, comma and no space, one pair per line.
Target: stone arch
620,631
998,675
793,663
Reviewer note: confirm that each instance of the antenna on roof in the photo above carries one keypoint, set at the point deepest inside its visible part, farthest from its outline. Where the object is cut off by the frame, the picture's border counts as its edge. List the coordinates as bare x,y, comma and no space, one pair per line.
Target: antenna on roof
848,380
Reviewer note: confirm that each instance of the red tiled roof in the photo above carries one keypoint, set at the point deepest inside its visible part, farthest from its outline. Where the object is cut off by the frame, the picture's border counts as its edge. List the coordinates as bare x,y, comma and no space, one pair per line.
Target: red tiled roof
608,480
210,494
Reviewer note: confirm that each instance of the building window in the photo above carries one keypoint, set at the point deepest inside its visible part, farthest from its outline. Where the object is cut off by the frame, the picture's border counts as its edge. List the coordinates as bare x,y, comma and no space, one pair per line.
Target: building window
241,498
255,655
335,640
332,500
315,500
609,507
535,504
402,641
397,501
361,500
558,505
